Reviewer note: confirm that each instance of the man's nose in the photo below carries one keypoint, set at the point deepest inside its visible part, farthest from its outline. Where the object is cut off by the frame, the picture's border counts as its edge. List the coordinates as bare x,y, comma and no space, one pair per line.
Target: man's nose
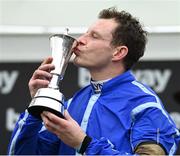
82,40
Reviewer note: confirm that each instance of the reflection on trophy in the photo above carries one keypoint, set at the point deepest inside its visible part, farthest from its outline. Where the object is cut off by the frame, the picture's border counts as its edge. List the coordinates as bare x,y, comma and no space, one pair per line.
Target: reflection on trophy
50,98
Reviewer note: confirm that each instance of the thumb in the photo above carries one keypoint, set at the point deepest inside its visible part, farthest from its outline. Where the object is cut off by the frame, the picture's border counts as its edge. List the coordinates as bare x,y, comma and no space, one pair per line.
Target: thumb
67,115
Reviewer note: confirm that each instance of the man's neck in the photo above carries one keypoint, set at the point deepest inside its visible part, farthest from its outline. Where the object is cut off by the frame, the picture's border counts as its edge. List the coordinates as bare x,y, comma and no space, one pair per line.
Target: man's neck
99,75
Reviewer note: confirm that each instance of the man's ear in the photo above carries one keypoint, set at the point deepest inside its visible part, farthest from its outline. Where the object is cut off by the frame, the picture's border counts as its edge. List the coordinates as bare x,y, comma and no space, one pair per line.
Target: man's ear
119,53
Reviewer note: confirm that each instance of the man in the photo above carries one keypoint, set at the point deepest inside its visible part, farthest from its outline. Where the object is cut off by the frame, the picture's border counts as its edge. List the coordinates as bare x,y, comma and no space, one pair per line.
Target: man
115,114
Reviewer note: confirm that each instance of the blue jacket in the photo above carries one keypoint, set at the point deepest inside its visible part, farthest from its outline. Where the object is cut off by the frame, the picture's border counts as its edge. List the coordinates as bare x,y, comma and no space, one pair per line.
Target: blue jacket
123,115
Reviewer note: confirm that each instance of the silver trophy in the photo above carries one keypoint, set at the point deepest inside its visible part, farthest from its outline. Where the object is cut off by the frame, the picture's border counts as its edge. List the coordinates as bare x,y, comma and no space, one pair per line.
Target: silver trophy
50,98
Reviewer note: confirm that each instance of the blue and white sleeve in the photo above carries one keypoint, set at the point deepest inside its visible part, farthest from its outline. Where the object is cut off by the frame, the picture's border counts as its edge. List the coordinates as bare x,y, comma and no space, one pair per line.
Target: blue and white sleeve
153,124
30,138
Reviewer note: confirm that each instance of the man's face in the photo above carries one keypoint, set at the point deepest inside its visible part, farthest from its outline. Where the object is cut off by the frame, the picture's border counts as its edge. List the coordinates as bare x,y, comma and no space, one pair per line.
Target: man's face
94,51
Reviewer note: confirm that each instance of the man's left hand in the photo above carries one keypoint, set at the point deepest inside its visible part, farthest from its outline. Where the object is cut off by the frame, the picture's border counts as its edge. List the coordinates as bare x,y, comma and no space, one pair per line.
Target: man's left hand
66,129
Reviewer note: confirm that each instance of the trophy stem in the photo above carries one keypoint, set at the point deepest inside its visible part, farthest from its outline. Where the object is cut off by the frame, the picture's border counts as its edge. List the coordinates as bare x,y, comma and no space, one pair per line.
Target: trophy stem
55,81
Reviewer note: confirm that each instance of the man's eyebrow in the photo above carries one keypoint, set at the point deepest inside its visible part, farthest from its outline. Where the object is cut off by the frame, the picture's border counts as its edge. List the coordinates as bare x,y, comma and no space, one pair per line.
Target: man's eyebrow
94,31
97,33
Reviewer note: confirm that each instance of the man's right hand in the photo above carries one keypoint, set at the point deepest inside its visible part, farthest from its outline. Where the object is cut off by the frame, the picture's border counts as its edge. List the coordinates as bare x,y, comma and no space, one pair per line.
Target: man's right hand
41,77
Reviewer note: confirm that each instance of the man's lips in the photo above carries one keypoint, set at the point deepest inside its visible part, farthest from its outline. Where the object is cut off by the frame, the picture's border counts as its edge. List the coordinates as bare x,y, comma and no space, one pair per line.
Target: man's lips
76,51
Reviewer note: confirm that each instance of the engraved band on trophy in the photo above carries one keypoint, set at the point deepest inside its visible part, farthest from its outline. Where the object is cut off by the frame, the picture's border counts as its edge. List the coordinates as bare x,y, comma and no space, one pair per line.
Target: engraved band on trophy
50,98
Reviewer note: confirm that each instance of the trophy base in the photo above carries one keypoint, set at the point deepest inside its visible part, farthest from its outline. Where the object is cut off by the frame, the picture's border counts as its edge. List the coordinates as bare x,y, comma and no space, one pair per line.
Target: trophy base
37,110
47,99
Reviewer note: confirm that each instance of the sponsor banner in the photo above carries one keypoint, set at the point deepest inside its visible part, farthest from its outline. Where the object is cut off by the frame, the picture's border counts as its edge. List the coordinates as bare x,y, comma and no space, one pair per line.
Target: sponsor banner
162,76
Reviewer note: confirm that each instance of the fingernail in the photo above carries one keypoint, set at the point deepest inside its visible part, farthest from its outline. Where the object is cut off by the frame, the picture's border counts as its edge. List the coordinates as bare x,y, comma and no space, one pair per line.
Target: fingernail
45,112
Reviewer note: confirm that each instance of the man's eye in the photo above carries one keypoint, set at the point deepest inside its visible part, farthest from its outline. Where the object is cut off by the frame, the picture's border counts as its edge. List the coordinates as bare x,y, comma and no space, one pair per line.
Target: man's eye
95,36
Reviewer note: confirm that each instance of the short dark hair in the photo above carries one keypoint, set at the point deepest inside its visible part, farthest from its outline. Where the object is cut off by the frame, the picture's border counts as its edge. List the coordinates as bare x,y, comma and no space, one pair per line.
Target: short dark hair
129,32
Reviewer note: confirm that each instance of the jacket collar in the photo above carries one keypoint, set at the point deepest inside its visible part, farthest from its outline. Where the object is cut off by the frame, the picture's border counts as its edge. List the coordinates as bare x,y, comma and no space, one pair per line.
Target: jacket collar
109,84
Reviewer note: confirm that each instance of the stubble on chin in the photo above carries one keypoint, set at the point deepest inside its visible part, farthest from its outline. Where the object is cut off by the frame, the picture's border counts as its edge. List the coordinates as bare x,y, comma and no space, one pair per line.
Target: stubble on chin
75,61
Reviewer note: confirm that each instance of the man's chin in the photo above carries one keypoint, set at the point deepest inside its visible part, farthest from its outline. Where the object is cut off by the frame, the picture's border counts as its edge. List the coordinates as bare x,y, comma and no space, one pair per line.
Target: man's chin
76,62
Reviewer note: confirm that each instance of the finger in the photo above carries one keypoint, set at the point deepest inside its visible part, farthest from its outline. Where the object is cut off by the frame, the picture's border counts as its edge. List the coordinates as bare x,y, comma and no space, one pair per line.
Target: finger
38,83
49,125
55,119
47,60
46,67
41,75
67,115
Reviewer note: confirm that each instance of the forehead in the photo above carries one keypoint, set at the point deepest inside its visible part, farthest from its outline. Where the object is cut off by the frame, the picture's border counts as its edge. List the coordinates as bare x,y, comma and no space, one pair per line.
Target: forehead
104,26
